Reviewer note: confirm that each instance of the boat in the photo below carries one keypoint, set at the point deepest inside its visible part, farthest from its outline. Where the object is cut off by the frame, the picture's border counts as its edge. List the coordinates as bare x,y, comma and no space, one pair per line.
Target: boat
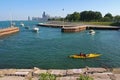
21,24
36,29
27,27
91,32
90,55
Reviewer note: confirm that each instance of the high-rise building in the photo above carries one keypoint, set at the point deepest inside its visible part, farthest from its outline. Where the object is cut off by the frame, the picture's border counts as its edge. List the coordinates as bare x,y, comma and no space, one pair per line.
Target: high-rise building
28,18
45,17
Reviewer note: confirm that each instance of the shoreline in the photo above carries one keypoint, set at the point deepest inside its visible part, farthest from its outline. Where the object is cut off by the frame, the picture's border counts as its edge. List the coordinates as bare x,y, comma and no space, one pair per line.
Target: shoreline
62,74
70,27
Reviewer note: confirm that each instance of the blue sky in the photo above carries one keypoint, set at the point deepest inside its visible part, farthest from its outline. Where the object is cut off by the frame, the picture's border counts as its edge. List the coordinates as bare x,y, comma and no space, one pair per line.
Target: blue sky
21,9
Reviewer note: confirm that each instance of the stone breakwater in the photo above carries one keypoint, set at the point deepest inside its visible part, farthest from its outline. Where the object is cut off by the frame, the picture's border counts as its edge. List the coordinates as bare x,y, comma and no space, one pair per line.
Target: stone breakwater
68,74
69,27
9,30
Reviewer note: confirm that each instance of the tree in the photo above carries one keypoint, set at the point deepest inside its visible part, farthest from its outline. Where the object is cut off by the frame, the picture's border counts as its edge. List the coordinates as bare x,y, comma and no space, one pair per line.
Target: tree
117,19
109,15
90,16
106,19
76,16
73,17
69,17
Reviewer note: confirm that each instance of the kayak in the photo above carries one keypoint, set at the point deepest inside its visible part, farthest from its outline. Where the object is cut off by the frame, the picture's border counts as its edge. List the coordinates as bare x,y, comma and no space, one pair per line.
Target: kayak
91,55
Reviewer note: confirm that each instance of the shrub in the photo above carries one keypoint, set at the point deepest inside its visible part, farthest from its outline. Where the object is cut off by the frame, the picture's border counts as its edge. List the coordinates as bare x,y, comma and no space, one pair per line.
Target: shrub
85,77
47,76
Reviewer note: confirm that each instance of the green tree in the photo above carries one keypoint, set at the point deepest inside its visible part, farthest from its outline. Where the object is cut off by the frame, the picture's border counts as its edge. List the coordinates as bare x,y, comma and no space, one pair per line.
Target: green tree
109,15
90,16
106,19
117,19
69,17
76,16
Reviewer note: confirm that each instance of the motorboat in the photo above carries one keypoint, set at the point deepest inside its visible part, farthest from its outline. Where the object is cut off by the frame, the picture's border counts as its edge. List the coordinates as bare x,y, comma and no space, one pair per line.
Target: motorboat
35,29
91,32
21,24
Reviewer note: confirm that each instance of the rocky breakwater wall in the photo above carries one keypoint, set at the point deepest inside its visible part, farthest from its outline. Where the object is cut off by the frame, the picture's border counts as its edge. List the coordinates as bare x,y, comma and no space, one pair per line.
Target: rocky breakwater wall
61,74
9,30
73,28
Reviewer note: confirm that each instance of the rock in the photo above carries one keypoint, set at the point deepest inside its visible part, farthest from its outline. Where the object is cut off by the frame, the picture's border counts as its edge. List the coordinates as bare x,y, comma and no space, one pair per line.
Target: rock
74,71
100,76
96,70
116,70
57,72
37,72
117,76
67,78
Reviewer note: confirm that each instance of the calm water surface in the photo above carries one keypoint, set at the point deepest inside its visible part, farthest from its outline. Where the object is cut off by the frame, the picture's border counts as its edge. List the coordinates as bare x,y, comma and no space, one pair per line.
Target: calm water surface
50,48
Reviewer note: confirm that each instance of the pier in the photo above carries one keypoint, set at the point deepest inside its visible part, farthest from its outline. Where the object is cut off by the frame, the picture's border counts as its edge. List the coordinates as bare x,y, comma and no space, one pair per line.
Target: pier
99,27
8,31
78,28
73,29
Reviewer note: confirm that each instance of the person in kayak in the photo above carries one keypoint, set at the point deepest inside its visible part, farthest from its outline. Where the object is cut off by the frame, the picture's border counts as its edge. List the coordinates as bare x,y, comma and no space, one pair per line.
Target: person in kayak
81,54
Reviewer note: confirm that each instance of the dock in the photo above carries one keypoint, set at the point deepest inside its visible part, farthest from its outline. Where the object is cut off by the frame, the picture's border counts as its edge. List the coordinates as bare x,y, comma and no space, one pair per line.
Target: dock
73,28
8,31
78,28
99,27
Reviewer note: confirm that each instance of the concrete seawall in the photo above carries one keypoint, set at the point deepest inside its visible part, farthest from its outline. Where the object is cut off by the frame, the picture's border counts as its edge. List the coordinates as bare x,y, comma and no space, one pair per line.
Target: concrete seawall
8,31
61,74
78,28
73,29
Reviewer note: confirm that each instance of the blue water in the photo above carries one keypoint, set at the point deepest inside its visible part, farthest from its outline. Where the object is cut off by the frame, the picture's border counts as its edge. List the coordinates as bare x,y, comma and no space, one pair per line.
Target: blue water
50,48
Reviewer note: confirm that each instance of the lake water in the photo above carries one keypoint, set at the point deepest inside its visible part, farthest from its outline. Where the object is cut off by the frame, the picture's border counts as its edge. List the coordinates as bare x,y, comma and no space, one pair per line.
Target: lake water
50,48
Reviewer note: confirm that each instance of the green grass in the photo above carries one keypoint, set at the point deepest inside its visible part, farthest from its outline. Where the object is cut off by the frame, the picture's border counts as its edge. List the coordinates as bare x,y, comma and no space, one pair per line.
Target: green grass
98,23
47,76
85,77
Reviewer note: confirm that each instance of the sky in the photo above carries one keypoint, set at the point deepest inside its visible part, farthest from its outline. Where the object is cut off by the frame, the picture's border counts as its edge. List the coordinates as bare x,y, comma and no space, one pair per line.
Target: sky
21,9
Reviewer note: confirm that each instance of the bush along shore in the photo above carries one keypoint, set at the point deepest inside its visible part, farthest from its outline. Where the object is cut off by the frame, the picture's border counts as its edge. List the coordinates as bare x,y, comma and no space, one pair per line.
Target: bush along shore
61,74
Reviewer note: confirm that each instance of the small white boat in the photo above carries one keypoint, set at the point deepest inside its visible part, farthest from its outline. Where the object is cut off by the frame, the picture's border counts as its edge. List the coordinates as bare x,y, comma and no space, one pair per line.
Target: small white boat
21,24
36,29
92,32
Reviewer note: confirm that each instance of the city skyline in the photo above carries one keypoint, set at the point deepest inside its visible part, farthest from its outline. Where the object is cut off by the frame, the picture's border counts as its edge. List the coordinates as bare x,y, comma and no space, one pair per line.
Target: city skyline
21,9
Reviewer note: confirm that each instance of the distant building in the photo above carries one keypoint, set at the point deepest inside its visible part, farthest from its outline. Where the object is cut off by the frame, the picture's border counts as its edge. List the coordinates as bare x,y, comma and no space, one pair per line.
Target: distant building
36,18
28,18
45,17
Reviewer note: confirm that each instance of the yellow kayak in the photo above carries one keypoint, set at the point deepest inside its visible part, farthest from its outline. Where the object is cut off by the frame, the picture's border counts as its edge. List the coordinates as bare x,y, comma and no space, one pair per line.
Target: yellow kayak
91,55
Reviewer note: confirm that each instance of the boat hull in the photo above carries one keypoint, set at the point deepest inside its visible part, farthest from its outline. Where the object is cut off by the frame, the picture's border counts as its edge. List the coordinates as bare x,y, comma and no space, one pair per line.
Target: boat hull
91,55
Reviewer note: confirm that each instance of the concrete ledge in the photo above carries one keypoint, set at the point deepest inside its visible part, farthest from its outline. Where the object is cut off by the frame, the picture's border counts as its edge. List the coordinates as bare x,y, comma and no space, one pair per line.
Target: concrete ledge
8,31
57,72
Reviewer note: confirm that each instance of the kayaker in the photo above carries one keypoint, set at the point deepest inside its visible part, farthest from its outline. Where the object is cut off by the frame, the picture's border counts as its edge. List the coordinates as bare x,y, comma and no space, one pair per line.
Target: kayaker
81,54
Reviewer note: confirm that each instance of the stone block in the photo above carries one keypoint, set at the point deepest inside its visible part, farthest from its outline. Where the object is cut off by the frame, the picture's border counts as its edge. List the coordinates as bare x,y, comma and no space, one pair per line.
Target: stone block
57,72
100,76
117,76
96,70
67,78
74,71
